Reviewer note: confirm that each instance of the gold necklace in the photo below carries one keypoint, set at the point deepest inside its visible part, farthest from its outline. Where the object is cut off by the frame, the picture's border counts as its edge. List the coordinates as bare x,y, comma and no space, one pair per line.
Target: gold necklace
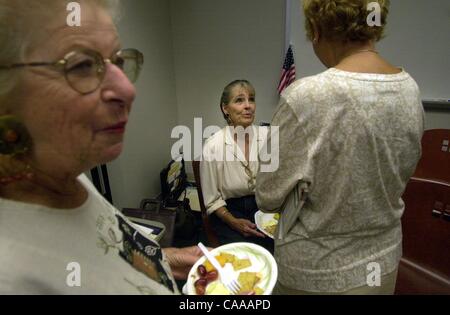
251,182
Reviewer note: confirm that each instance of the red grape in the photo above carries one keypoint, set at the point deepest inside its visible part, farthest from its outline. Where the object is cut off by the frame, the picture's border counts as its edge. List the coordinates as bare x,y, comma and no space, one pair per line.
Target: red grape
200,286
212,276
202,271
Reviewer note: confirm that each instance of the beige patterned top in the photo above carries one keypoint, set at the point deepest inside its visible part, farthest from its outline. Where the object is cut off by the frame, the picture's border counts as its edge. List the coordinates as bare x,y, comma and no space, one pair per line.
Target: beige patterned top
355,139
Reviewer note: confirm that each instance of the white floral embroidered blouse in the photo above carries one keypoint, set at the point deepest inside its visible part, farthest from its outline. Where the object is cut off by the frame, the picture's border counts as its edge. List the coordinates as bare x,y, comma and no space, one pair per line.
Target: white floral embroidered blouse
355,138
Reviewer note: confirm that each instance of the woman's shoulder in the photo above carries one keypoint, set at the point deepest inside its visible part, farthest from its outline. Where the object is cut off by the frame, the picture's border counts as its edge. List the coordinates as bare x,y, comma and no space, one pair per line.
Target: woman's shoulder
89,186
333,82
95,198
262,132
215,139
84,180
303,87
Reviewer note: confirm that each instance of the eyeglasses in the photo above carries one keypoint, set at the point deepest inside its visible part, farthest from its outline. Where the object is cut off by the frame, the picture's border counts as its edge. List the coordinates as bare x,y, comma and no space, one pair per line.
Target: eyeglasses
85,69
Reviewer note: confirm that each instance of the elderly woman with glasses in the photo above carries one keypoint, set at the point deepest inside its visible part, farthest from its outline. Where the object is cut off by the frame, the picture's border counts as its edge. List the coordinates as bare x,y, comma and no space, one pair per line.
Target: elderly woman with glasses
65,97
229,167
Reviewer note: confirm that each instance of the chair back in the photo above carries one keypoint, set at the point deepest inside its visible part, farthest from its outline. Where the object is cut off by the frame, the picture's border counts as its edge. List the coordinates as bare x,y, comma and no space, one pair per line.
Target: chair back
211,235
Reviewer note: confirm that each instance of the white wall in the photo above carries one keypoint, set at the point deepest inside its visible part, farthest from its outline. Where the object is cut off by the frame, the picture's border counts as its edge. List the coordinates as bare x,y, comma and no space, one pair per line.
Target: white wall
437,119
216,42
422,50
135,175
306,62
192,49
418,39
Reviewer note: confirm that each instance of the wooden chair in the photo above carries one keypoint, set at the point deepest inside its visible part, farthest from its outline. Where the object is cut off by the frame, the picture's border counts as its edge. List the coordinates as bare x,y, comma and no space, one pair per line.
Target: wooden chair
210,234
435,161
425,266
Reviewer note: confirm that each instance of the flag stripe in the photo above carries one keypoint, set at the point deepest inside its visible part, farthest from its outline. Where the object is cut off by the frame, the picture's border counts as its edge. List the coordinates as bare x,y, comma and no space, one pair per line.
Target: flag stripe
286,80
288,74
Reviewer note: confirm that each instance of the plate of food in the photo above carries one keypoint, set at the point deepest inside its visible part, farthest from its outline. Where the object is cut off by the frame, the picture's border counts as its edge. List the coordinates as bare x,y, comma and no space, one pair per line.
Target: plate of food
267,222
254,267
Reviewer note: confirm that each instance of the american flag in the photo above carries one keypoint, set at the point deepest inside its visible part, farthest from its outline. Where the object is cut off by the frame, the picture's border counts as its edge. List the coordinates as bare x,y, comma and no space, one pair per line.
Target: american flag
288,74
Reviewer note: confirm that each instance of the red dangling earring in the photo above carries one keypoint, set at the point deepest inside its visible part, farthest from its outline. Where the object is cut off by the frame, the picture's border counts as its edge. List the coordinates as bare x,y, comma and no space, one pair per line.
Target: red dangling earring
15,142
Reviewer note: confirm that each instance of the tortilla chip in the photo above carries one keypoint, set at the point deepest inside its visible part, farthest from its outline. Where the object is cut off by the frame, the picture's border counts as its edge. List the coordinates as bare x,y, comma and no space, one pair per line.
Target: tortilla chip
248,280
239,264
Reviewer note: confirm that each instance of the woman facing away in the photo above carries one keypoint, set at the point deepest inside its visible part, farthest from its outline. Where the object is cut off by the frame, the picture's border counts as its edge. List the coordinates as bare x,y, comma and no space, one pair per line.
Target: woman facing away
350,139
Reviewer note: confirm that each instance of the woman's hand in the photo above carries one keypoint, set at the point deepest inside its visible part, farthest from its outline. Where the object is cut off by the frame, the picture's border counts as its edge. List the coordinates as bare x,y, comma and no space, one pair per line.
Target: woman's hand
245,227
181,260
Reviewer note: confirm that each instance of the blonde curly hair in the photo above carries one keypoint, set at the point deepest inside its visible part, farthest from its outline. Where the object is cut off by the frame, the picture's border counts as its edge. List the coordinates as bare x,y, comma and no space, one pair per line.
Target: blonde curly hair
344,20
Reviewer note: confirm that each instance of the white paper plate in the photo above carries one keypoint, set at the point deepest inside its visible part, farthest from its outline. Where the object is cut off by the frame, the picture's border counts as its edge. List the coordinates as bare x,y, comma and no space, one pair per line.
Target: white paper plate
262,219
262,262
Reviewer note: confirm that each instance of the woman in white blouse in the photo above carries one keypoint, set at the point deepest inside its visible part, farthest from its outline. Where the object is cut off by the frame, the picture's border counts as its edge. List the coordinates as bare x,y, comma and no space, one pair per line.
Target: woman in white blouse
229,166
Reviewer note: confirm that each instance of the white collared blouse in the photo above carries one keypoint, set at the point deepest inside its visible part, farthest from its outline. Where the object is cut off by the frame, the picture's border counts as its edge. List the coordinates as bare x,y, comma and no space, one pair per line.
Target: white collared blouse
223,167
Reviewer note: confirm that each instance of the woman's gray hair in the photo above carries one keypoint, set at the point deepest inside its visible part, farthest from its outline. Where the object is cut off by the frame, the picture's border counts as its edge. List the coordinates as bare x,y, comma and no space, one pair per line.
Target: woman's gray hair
20,25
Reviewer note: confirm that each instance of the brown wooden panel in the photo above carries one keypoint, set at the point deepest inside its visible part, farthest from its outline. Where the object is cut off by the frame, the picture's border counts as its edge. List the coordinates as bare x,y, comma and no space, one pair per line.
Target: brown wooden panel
426,238
435,161
211,235
413,280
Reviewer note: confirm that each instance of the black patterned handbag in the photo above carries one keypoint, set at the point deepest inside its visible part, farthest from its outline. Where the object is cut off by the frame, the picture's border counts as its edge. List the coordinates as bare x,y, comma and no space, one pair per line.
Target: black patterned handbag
173,185
153,211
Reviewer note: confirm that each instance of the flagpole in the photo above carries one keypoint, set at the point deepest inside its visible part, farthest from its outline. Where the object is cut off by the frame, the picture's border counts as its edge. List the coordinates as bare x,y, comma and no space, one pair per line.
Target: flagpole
287,39
288,71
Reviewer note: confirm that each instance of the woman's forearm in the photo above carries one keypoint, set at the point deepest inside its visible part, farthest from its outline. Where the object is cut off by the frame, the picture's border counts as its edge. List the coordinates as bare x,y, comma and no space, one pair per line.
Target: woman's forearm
224,215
